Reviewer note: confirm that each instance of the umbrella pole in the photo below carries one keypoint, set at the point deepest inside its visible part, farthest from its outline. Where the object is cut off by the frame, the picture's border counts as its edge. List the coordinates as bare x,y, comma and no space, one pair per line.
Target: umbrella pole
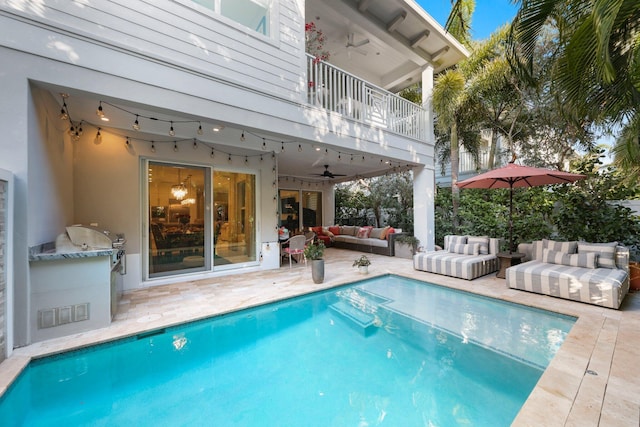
511,218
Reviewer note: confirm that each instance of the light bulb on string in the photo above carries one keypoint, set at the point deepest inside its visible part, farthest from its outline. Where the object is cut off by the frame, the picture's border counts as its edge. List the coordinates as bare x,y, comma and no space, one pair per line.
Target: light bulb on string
213,153
352,158
136,124
246,160
242,138
326,151
153,147
200,128
264,144
72,129
195,144
175,146
127,142
98,136
99,111
171,131
300,148
282,147
79,130
63,111
261,158
230,158
339,157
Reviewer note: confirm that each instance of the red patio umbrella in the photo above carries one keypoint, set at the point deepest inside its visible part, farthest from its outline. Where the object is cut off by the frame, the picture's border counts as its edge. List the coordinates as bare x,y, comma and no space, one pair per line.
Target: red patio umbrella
516,176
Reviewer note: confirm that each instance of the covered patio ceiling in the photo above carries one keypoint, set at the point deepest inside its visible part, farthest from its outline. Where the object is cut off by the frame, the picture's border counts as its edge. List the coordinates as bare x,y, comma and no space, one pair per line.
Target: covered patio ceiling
297,160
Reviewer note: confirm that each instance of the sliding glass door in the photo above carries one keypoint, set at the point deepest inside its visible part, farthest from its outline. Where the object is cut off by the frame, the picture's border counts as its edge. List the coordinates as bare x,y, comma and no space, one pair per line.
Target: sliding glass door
234,213
184,234
176,218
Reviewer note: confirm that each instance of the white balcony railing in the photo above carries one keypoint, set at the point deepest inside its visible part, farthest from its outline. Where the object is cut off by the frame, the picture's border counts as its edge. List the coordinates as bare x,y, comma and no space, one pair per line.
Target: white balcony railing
336,90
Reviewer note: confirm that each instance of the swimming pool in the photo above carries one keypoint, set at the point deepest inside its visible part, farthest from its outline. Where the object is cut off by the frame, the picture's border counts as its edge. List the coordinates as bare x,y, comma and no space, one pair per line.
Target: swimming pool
385,351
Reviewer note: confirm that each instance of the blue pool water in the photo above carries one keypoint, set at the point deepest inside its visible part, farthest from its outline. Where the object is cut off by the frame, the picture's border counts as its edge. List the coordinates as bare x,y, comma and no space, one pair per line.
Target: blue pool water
387,351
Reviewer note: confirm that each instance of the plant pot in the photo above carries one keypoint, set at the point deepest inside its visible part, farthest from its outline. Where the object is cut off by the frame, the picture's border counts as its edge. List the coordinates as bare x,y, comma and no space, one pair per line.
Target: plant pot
634,276
317,270
403,250
363,269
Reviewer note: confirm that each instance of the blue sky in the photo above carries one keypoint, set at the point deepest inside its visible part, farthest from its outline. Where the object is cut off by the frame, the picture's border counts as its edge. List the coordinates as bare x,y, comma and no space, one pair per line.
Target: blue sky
489,14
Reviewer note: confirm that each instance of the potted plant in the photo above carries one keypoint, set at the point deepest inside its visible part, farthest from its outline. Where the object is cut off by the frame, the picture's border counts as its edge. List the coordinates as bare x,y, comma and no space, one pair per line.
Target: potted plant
363,264
314,252
406,246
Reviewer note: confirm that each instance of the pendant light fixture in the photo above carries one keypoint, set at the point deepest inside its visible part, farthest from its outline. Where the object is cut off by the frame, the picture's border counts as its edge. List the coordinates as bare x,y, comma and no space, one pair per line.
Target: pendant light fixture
179,190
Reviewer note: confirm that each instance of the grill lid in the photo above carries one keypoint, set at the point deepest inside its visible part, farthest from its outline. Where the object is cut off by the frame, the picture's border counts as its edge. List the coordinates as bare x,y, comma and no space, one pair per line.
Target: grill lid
92,237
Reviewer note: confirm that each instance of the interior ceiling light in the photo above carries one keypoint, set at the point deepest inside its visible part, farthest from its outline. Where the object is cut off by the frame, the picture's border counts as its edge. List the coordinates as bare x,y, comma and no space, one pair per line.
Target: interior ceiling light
218,128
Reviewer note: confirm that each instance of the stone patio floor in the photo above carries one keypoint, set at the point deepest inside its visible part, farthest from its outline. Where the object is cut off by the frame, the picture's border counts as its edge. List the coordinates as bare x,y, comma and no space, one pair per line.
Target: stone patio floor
594,380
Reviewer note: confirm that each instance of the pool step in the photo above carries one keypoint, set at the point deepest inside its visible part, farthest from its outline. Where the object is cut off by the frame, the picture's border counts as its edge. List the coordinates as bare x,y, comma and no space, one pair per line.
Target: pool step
361,321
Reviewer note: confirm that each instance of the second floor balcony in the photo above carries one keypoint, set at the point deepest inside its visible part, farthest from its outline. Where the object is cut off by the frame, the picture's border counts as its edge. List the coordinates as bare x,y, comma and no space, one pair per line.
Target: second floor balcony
338,91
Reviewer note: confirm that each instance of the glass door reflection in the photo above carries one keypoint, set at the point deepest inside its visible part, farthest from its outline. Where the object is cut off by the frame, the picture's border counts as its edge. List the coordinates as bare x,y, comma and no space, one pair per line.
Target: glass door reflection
176,219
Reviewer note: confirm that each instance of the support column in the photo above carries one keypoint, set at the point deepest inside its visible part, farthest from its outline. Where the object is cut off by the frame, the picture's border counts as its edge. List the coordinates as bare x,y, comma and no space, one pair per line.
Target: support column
423,206
427,91
424,176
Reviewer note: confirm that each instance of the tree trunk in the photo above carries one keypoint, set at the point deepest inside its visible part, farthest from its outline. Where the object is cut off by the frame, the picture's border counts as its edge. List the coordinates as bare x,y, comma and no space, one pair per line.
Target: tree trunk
455,165
491,161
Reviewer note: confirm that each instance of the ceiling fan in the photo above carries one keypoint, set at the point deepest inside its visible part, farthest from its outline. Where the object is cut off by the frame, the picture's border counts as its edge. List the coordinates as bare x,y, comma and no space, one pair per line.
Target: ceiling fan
327,174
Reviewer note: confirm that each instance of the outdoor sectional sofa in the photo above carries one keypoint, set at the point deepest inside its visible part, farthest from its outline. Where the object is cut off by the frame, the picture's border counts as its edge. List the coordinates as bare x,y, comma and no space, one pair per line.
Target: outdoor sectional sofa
375,240
593,273
464,257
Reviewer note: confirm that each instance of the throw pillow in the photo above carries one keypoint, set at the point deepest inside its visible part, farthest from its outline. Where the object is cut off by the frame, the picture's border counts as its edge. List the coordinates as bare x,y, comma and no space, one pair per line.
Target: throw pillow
453,241
536,251
384,233
566,247
363,232
326,232
391,231
349,230
483,241
586,259
466,249
335,230
606,252
376,233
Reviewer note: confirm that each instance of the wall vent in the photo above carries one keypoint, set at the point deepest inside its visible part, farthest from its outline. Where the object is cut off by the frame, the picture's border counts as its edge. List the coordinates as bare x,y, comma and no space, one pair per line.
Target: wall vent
50,317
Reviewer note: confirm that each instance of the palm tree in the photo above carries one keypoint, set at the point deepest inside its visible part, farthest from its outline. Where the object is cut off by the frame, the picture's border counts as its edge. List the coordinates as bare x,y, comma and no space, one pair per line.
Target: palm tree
597,62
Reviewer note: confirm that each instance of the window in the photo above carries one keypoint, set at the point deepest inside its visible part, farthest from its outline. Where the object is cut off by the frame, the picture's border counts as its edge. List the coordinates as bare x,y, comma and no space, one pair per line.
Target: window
291,202
253,14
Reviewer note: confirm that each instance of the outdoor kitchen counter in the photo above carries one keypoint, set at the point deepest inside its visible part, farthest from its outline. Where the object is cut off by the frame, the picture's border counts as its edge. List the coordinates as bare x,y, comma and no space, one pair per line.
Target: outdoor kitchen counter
71,290
62,248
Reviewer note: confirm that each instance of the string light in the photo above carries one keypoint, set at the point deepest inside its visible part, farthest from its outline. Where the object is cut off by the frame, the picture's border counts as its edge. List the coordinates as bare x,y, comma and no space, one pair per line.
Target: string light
300,148
246,160
264,144
63,111
282,147
127,143
195,144
171,131
99,111
153,147
230,158
242,138
213,153
136,124
175,146
200,132
98,136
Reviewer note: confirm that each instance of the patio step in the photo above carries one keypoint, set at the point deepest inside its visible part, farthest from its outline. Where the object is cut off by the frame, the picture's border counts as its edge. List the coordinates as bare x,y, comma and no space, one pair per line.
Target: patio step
358,319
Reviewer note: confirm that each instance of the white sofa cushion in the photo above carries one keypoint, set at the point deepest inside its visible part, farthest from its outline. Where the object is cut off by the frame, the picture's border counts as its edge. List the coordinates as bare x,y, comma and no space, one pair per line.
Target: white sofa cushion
606,252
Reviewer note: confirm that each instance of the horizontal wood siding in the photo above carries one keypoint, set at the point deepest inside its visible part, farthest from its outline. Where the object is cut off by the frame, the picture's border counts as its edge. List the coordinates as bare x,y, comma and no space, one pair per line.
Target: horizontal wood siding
170,32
